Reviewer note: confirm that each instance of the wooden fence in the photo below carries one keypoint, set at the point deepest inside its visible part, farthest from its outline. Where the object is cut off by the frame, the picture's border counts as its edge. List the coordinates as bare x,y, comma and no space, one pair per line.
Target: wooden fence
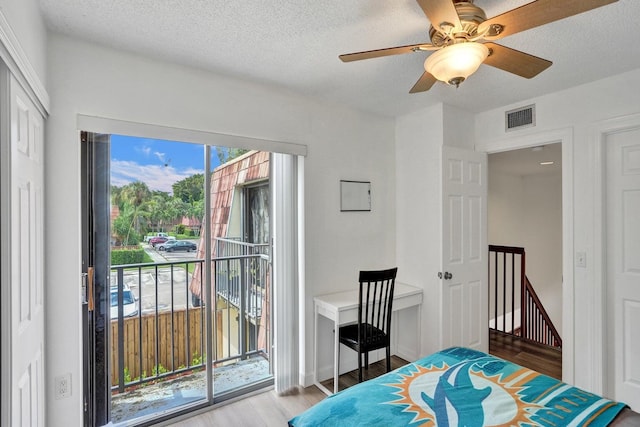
167,353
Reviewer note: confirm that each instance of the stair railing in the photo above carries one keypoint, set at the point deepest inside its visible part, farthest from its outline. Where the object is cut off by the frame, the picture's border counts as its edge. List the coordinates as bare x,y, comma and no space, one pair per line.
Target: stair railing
514,307
536,324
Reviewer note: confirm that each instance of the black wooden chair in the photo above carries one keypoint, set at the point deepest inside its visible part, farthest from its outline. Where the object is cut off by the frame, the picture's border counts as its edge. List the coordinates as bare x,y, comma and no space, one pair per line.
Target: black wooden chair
373,330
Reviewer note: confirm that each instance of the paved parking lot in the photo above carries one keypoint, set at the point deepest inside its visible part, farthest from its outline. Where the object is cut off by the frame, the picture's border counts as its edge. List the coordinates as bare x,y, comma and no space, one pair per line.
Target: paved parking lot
164,256
151,282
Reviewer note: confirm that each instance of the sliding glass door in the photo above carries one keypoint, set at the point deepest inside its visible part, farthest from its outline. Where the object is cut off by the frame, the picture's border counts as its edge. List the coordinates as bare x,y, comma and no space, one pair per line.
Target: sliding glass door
178,260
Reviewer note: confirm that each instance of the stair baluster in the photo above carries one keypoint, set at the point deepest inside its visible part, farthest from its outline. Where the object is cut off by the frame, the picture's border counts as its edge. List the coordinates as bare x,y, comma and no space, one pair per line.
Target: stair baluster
535,323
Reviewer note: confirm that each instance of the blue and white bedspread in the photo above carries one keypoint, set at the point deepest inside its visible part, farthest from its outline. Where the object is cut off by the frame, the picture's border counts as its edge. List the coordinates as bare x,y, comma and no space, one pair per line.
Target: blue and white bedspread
461,387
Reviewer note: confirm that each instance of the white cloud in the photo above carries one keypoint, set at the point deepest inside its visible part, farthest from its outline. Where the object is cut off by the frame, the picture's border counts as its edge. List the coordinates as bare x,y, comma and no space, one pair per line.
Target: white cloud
159,155
145,149
157,177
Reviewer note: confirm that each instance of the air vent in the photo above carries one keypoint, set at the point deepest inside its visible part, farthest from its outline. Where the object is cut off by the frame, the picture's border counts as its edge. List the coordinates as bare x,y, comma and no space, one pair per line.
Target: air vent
520,118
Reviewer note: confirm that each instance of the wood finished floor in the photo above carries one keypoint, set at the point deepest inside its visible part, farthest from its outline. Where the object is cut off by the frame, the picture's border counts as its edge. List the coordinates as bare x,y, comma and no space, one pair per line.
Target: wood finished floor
264,409
270,409
375,369
546,360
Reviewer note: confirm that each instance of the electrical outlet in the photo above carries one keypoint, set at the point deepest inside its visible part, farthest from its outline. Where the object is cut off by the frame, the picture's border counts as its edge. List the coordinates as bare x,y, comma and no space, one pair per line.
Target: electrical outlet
63,386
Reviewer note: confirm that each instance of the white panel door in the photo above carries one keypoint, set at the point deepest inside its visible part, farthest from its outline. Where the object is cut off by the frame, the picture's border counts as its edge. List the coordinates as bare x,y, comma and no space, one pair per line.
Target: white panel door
623,264
464,249
27,305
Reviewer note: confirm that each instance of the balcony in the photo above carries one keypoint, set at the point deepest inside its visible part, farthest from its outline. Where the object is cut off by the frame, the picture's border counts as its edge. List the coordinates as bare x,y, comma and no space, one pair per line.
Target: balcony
159,354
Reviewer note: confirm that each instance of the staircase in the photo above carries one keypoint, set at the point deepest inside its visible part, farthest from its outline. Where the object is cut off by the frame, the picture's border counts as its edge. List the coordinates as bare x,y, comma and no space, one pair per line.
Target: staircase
514,306
520,329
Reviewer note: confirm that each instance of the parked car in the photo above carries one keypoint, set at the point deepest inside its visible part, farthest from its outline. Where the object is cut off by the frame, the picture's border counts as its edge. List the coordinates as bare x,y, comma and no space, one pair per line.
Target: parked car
129,303
162,246
157,240
180,245
158,234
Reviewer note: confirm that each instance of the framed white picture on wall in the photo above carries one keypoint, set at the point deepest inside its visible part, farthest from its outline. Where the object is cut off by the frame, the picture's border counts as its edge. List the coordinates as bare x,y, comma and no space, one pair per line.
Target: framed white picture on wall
355,196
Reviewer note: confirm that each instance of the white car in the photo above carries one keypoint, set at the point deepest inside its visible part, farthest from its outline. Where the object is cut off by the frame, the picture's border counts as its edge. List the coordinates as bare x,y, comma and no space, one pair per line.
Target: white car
129,303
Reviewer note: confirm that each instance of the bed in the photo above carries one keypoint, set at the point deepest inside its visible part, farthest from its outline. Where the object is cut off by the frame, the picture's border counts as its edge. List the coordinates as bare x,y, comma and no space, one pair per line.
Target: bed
464,387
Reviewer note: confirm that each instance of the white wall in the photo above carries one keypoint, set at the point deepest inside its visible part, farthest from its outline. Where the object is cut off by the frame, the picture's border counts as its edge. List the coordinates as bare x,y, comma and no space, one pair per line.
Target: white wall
542,240
505,208
576,113
27,24
343,144
526,211
419,138
458,127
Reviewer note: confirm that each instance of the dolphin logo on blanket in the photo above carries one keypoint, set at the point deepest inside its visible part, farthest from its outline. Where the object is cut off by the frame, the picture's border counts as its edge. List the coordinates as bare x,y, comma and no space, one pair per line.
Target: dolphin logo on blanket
462,396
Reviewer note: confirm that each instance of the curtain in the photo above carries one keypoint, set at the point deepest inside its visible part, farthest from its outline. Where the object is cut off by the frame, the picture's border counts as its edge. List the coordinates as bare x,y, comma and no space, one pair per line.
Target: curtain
285,260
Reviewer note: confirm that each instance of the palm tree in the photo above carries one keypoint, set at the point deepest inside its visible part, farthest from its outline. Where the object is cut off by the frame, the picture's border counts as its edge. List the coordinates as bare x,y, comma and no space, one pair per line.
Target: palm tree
135,196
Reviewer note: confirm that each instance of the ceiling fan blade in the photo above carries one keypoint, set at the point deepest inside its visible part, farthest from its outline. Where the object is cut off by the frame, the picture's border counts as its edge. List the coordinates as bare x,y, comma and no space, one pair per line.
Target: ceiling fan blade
538,13
357,56
514,61
439,12
424,83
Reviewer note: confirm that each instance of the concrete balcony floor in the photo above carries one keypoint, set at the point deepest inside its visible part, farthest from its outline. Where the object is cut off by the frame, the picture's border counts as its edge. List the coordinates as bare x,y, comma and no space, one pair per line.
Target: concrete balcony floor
170,394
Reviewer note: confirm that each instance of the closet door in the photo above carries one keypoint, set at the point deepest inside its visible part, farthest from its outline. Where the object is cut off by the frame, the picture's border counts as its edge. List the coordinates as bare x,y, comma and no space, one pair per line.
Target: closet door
25,254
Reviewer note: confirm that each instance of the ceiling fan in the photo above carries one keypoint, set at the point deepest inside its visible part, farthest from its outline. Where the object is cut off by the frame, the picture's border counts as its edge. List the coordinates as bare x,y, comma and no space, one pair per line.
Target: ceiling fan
461,38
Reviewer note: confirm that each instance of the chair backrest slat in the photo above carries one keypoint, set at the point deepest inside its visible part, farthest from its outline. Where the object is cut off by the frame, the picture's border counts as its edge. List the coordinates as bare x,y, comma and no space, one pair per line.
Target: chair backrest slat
375,301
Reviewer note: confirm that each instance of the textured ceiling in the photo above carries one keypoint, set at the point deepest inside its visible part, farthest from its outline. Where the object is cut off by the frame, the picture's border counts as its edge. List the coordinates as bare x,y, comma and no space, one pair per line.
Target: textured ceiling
294,44
526,161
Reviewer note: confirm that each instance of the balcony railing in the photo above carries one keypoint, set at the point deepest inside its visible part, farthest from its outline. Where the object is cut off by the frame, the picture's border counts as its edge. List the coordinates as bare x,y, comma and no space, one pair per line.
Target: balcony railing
166,337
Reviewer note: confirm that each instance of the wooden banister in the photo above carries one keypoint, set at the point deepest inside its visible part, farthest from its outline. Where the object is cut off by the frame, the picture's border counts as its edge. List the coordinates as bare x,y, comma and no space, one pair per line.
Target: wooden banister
538,326
506,263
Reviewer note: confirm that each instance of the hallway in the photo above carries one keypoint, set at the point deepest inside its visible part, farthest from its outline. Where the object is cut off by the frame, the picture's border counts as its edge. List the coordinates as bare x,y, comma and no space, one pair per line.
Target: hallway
544,359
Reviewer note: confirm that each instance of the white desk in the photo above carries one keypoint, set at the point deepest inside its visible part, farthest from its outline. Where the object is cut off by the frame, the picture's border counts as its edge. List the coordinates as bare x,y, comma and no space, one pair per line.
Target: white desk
342,308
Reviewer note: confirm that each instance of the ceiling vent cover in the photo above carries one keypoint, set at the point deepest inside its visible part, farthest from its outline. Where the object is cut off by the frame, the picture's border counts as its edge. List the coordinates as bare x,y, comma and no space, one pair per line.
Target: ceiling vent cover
520,118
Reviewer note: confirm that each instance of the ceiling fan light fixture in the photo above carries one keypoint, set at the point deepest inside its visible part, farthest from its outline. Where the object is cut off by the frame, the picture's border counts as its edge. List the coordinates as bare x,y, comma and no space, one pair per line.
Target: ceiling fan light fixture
454,63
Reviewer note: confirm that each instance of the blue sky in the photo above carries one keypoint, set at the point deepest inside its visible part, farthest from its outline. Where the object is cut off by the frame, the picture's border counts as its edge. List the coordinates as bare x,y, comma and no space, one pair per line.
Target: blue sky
157,163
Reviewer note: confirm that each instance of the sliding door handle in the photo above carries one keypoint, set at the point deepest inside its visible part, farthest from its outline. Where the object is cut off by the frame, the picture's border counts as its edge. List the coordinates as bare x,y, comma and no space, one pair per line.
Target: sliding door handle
90,303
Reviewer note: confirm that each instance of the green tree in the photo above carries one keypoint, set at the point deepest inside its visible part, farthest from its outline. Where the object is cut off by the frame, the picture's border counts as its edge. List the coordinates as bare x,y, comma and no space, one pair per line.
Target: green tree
116,196
174,209
190,189
141,207
132,201
135,193
196,210
226,154
122,226
156,207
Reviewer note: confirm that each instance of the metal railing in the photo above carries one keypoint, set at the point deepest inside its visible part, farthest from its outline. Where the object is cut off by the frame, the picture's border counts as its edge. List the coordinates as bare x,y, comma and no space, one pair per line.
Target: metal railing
235,246
242,274
166,337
